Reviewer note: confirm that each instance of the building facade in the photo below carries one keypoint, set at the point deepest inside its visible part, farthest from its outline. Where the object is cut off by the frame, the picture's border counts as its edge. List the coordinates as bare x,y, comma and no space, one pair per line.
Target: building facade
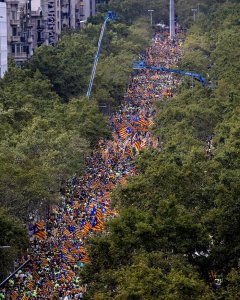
3,39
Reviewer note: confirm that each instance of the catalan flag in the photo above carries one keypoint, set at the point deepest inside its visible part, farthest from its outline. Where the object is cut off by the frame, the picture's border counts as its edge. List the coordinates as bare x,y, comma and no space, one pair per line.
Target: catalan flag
97,224
64,249
85,259
125,132
86,227
83,250
14,295
137,146
35,275
76,205
66,232
129,151
50,284
141,121
40,224
99,213
104,210
70,258
78,233
39,232
25,297
30,285
150,123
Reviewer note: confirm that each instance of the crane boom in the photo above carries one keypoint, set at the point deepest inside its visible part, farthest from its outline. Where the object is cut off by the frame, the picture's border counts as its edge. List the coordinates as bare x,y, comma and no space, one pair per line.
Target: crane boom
140,65
109,17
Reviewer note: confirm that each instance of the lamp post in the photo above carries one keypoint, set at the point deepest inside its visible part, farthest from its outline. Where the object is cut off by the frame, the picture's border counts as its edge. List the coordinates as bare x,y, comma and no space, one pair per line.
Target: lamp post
172,18
151,12
194,10
198,8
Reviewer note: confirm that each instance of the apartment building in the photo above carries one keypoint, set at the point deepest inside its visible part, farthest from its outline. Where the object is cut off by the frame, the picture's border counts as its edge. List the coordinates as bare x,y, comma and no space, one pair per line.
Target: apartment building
3,39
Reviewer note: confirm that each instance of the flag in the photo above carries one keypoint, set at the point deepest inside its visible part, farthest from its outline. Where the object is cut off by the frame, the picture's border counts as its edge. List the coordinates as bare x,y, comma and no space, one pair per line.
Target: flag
35,275
141,122
78,233
50,284
129,151
66,232
40,224
70,275
64,249
97,224
44,261
104,210
87,227
62,278
25,297
99,213
83,223
45,289
122,180
83,250
30,285
70,258
137,146
93,211
106,195
150,123
39,232
85,259
76,205
14,295
125,132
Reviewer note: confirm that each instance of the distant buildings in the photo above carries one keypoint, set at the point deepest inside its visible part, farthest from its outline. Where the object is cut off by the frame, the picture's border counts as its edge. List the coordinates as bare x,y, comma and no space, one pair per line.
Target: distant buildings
3,38
27,24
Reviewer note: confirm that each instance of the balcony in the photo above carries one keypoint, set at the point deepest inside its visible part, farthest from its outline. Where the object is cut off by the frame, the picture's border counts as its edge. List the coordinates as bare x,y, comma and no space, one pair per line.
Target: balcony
20,56
15,39
14,22
40,27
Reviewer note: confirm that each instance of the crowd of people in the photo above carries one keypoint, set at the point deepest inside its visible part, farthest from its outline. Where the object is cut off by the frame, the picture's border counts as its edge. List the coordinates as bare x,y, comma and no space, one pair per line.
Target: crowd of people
58,244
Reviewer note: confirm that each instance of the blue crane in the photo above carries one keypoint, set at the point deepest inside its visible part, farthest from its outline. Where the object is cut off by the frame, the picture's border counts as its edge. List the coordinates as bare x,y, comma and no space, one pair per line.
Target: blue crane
140,65
108,17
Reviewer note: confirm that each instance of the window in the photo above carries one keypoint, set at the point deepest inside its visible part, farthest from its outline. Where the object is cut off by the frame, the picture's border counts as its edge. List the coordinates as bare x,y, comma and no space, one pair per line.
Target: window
13,49
14,31
19,48
14,15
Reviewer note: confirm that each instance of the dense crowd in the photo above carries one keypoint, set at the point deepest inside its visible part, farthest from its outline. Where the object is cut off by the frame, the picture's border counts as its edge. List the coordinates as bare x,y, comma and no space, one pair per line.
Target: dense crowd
58,244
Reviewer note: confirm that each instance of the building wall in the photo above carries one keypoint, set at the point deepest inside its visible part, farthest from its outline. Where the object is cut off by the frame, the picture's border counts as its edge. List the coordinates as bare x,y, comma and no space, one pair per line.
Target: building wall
32,23
90,8
3,39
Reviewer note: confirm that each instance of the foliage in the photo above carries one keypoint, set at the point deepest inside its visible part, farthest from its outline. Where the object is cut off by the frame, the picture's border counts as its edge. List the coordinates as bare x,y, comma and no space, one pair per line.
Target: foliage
14,235
179,219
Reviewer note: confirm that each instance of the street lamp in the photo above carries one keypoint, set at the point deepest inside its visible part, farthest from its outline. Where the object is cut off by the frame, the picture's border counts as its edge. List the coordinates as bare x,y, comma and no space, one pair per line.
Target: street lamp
5,247
198,8
151,12
194,10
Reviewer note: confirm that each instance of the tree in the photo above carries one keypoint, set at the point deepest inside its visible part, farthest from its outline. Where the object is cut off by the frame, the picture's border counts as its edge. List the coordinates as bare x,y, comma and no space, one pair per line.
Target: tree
14,235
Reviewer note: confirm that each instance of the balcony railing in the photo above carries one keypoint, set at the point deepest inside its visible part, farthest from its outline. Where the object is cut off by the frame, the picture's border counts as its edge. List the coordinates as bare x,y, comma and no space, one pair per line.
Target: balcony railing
20,56
14,22
15,39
